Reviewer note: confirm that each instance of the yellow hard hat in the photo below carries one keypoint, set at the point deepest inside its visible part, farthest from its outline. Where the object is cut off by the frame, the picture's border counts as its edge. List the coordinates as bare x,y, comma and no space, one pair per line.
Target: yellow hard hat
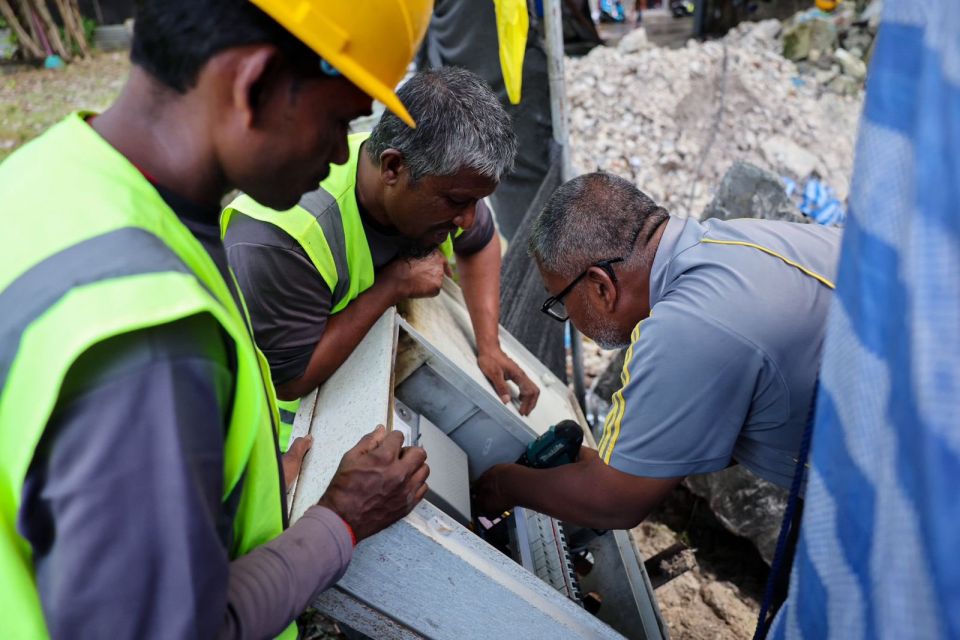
371,42
826,5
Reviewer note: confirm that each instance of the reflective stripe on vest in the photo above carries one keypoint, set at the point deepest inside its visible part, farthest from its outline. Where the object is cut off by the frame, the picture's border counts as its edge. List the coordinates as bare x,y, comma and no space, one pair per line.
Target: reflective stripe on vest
108,259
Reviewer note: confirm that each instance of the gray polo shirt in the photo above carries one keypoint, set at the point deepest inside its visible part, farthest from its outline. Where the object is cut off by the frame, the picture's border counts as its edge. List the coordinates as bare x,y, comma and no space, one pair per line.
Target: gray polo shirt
724,367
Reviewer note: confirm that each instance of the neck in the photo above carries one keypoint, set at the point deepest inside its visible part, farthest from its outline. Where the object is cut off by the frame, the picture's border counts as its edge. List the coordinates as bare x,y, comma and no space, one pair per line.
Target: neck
166,136
370,189
636,281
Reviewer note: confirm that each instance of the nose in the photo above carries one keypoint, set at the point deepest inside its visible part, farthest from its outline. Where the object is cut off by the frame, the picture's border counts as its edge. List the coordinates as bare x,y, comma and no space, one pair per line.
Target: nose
467,217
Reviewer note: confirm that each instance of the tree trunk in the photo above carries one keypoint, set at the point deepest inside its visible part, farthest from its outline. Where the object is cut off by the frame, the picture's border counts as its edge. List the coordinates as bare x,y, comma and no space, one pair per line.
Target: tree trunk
30,46
48,25
73,25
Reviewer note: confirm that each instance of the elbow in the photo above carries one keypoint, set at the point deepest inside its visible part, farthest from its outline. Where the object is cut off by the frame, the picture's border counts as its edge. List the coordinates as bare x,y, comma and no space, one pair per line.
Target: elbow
617,514
295,389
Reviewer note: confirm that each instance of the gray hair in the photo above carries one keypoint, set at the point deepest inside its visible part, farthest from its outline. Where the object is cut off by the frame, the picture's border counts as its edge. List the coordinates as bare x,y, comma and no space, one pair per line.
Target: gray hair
597,216
460,125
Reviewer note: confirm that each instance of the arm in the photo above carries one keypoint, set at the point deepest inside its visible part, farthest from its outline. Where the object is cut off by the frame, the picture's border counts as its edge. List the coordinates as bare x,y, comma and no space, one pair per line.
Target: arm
123,509
290,304
399,280
688,390
342,334
480,277
122,504
588,492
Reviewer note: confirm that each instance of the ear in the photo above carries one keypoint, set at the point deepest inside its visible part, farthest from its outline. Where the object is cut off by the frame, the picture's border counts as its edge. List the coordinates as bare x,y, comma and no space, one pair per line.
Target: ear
392,167
252,82
602,289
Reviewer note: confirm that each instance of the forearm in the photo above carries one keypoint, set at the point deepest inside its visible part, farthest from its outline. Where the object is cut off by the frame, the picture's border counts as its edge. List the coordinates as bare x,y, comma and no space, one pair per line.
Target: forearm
480,281
579,493
343,333
270,586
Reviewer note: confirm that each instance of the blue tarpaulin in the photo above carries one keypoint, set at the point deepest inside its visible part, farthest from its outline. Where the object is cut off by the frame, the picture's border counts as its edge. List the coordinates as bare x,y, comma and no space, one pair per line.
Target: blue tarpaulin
879,554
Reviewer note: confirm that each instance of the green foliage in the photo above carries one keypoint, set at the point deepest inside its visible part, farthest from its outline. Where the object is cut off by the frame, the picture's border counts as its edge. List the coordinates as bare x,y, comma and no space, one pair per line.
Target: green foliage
89,27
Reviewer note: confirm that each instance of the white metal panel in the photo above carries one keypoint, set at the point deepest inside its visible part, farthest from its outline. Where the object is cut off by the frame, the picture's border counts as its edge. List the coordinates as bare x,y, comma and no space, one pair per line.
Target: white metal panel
444,323
350,404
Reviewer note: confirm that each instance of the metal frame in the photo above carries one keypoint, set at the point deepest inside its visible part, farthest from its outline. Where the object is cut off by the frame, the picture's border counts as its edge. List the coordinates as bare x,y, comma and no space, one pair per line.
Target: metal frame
427,576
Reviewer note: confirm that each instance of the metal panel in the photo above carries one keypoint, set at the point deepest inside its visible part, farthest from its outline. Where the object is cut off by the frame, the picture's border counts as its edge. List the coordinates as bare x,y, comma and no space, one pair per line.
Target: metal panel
430,576
619,576
350,404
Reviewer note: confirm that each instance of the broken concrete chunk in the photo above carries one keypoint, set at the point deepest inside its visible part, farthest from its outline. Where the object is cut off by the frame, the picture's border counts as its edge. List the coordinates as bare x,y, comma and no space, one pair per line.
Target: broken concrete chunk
844,85
852,65
796,42
788,157
747,191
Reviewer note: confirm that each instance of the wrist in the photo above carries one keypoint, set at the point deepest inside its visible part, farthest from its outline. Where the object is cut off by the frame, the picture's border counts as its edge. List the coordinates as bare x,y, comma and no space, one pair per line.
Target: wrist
391,290
328,504
488,346
353,535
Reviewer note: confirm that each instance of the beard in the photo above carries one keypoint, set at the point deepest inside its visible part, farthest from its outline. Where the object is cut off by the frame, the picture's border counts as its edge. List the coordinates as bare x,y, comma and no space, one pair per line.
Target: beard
415,250
603,333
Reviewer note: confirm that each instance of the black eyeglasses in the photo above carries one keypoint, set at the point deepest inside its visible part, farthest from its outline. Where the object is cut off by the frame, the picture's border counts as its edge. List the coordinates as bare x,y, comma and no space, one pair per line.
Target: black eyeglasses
554,307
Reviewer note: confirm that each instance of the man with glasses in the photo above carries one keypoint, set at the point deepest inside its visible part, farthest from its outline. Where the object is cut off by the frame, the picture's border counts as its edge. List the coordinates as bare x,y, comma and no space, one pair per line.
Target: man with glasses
723,324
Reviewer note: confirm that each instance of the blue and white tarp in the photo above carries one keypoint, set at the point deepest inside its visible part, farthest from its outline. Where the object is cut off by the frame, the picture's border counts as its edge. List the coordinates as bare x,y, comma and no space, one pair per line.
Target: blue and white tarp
879,554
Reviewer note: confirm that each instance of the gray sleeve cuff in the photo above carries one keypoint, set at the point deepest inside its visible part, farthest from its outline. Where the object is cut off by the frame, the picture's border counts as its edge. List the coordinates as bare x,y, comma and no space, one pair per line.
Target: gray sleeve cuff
270,586
654,469
479,235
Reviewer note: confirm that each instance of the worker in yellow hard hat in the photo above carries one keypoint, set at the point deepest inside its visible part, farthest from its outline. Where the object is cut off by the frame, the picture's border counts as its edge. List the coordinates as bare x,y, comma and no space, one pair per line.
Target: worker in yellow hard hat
141,490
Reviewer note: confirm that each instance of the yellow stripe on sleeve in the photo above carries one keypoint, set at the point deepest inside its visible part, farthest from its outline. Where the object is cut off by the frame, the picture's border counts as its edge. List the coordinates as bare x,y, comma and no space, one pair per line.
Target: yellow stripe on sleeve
809,272
611,430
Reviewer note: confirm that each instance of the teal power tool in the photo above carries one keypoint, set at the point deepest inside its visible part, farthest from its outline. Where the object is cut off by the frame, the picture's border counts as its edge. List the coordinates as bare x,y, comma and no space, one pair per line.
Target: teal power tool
558,446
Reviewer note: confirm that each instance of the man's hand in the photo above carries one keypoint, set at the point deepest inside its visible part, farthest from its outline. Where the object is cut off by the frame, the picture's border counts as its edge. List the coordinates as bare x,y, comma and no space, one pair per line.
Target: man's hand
378,482
416,278
487,497
498,368
293,459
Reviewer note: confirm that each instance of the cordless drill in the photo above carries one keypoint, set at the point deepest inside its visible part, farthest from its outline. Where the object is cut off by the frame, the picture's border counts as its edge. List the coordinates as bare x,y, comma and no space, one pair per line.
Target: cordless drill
558,446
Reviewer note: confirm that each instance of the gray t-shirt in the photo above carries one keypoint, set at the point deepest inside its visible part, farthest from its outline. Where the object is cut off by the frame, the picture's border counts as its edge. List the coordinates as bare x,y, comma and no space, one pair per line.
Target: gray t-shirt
288,300
725,365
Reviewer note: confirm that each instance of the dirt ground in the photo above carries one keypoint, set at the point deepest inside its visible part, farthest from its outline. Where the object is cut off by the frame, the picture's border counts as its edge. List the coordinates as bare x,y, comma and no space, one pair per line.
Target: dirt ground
717,600
33,99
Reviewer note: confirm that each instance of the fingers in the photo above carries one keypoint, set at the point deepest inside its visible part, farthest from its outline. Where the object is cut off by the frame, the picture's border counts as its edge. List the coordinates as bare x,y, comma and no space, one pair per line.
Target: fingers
293,459
413,456
300,447
492,368
390,446
370,442
529,391
499,383
529,395
419,477
419,495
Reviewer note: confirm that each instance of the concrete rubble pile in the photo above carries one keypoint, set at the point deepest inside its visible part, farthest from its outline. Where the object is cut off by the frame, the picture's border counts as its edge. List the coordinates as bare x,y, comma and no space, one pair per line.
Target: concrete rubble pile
654,115
833,48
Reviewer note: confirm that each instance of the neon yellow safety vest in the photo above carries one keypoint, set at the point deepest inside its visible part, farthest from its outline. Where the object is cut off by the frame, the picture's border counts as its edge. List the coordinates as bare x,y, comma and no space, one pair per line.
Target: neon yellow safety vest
98,256
328,226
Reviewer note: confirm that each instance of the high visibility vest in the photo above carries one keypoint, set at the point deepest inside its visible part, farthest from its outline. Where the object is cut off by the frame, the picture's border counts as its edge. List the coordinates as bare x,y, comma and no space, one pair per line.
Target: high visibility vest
327,224
101,255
